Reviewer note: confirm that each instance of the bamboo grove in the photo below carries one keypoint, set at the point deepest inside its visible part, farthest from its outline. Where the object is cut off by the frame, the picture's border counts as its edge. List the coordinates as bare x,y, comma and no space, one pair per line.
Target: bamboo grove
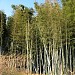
45,37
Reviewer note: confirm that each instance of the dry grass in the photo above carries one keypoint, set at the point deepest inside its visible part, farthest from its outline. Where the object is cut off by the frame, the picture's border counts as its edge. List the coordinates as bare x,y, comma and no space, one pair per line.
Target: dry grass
1,63
16,73
5,70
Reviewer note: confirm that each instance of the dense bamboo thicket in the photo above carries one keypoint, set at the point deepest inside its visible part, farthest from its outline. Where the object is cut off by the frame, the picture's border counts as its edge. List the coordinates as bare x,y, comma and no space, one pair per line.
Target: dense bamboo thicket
40,41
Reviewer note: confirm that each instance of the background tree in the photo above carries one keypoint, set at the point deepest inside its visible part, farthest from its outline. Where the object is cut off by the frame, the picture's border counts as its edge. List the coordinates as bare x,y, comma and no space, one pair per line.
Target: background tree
3,32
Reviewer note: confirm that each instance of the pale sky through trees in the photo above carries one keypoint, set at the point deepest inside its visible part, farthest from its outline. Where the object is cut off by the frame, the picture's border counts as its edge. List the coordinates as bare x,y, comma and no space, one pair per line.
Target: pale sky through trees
5,5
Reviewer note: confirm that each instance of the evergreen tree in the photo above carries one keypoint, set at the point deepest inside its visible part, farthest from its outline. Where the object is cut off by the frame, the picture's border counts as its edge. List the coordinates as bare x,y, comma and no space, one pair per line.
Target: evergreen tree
3,32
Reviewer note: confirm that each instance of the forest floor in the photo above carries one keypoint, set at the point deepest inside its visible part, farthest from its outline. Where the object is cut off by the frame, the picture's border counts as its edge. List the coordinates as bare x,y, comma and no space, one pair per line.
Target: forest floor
5,70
